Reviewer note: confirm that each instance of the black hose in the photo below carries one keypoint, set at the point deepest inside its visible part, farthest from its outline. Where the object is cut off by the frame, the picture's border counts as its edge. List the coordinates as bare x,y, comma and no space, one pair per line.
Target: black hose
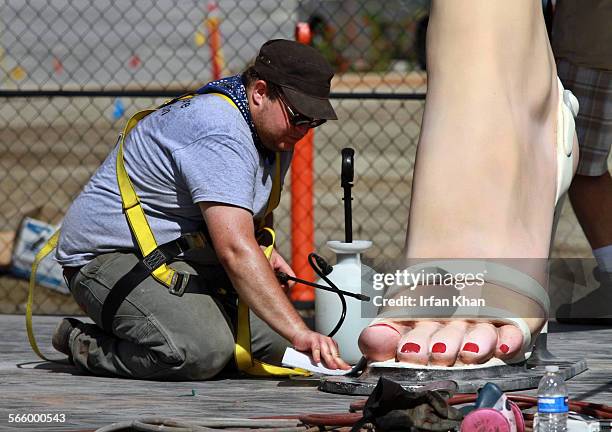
284,278
322,269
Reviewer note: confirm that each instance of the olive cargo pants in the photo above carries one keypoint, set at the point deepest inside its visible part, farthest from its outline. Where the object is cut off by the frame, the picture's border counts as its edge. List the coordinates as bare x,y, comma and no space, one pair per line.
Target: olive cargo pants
158,335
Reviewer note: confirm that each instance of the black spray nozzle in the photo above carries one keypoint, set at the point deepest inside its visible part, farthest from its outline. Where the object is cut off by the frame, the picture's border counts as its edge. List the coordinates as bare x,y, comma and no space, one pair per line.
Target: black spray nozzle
346,181
282,277
323,265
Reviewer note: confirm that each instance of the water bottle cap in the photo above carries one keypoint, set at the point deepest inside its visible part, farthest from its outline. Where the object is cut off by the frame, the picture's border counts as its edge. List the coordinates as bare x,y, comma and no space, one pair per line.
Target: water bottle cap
552,368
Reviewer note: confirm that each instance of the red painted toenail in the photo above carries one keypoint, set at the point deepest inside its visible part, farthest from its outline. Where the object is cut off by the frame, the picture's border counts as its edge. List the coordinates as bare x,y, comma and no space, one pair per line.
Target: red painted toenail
471,347
438,347
411,347
504,348
386,325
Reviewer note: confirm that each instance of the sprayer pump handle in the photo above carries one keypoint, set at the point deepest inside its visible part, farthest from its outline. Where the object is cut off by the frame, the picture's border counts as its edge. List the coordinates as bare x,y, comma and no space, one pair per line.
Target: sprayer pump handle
347,172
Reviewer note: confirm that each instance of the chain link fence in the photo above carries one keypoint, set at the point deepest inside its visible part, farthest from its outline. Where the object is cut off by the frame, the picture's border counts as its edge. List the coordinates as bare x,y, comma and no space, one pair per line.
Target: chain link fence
73,72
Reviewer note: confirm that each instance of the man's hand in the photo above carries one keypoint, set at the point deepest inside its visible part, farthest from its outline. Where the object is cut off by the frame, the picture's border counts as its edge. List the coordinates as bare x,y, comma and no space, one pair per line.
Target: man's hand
278,264
323,349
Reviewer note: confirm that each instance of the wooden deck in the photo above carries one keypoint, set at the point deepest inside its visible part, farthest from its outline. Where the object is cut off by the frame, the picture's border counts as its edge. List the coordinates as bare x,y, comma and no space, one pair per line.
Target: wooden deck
28,385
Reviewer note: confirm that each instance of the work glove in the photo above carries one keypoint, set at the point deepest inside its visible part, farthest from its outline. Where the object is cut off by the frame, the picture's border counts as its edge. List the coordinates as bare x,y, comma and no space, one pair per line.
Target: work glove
392,408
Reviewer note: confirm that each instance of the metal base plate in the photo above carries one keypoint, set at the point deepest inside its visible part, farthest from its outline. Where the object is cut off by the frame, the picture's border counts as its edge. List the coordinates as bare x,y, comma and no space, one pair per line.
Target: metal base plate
507,377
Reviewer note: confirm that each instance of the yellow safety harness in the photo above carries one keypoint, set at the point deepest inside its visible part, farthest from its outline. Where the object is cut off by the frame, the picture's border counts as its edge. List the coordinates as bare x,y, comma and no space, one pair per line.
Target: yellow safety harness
173,280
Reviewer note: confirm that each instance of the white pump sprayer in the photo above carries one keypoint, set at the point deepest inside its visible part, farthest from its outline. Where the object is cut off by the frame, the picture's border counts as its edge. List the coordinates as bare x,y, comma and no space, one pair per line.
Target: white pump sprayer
347,275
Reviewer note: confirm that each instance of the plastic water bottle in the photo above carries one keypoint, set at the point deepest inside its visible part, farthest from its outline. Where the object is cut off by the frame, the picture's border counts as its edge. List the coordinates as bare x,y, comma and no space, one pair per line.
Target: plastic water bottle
552,402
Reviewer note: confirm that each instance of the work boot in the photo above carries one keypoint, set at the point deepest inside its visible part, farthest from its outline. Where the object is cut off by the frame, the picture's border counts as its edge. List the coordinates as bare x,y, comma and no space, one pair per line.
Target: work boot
61,335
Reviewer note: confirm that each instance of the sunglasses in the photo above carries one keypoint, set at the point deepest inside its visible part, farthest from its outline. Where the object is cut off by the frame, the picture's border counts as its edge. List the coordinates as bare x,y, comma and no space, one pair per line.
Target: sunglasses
298,119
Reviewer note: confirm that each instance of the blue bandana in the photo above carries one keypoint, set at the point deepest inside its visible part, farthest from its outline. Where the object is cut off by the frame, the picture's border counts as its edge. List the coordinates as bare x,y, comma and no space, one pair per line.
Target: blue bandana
233,88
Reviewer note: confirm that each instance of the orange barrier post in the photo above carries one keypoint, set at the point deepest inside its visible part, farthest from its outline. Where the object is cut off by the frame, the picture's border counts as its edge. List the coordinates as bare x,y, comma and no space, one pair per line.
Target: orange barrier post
213,22
302,217
302,208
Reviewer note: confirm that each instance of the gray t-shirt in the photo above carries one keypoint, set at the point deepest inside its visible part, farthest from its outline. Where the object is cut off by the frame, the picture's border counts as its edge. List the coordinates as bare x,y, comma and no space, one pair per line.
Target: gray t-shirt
193,151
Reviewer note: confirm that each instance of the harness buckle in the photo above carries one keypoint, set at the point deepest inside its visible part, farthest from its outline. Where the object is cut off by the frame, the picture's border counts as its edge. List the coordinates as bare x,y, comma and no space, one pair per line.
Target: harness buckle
179,283
154,259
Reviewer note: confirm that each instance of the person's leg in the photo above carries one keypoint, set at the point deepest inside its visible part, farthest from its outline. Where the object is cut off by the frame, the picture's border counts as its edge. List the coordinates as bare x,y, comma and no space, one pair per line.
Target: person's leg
156,335
591,198
266,345
485,175
591,190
